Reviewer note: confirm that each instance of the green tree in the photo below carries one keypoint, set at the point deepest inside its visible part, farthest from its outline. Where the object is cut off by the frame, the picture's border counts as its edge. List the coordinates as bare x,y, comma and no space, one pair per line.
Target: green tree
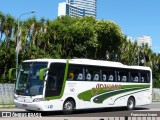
109,36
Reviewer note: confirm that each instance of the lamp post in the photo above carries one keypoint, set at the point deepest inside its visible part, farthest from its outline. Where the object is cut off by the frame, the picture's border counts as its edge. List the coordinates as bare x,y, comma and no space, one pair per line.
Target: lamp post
17,49
138,55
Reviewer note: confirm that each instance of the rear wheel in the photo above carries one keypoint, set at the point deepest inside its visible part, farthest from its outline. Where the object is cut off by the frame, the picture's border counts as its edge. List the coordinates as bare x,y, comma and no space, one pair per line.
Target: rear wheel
68,106
131,103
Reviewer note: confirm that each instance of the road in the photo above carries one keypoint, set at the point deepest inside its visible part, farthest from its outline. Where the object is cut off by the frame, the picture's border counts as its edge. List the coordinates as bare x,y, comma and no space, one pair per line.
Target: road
109,112
152,109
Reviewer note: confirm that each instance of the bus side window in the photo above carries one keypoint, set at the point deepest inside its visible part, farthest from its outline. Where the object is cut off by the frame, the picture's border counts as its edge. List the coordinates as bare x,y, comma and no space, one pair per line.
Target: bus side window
108,74
110,78
104,77
122,75
88,77
124,79
92,73
75,72
119,78
80,76
135,79
135,76
148,77
96,77
142,79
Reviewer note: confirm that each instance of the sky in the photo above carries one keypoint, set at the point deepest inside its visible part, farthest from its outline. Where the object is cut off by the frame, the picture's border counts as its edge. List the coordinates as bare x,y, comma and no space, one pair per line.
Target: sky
135,17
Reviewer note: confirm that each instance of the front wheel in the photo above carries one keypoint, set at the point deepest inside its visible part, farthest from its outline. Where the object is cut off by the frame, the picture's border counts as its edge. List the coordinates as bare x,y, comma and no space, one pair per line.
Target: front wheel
131,103
68,106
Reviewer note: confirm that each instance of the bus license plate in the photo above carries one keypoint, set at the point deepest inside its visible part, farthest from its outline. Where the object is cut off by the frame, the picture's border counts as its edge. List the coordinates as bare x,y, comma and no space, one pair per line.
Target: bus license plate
24,105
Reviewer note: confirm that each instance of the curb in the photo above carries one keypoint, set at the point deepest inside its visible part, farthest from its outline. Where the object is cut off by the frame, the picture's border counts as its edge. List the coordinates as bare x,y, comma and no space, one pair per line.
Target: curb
7,106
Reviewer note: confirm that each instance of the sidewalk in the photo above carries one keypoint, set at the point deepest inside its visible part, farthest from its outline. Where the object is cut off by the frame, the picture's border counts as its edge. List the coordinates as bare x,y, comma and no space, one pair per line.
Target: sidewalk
7,106
11,109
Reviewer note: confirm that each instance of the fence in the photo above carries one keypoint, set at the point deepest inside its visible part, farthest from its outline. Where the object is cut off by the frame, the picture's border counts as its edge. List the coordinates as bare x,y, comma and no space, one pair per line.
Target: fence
156,94
6,94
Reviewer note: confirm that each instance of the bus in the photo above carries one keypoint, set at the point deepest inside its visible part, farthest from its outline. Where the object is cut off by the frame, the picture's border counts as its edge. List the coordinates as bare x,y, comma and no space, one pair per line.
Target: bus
71,84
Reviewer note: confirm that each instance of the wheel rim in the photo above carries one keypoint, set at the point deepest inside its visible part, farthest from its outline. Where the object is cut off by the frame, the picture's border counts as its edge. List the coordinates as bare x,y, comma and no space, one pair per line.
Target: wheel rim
130,104
68,106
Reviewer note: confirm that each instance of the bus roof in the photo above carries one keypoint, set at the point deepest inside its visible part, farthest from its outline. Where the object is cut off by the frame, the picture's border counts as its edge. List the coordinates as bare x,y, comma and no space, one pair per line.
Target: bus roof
90,62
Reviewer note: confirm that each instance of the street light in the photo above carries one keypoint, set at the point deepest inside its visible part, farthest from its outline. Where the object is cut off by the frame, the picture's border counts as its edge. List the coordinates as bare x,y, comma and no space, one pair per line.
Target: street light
17,49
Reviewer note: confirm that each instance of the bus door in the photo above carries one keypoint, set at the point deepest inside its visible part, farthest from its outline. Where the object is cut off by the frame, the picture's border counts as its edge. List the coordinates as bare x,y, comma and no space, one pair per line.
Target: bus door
55,79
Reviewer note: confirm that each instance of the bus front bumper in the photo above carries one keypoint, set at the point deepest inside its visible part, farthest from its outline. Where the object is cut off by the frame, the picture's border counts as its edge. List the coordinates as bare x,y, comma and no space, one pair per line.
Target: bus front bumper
37,106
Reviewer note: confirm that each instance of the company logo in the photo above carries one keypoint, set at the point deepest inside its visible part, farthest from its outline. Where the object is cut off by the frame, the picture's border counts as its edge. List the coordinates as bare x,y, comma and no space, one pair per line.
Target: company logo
99,87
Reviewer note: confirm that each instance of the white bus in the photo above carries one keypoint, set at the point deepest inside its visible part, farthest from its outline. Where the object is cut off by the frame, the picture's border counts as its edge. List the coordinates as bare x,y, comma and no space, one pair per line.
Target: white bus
68,85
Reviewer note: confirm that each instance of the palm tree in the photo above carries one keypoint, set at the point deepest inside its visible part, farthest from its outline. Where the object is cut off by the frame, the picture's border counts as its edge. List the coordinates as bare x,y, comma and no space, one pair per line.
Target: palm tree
134,54
41,32
29,26
9,25
2,24
124,51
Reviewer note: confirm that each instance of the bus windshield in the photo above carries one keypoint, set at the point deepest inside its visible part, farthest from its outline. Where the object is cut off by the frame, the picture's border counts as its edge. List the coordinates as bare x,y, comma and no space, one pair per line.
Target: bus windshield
28,82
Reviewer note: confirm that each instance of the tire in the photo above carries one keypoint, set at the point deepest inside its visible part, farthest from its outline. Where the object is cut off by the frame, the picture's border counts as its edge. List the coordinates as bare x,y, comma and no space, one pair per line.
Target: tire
68,106
131,103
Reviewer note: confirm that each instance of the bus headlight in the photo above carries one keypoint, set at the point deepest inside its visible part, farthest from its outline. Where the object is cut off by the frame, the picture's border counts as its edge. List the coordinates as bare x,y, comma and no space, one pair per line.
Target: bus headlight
38,99
15,97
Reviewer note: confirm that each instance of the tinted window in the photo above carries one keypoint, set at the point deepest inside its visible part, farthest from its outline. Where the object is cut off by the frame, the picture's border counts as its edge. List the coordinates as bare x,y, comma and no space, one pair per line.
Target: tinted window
75,72
134,77
145,77
55,79
122,75
108,74
92,73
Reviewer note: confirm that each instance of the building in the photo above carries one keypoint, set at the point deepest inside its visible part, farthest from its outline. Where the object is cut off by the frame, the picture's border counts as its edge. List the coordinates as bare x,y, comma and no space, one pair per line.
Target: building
71,10
129,38
90,6
78,8
143,40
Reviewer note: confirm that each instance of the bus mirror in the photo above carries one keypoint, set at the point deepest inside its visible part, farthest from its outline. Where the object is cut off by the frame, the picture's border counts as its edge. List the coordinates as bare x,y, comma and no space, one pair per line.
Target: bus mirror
41,73
10,73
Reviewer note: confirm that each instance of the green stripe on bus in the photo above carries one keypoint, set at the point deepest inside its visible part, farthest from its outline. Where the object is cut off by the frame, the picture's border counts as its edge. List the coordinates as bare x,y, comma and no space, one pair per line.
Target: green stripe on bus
64,83
105,96
87,95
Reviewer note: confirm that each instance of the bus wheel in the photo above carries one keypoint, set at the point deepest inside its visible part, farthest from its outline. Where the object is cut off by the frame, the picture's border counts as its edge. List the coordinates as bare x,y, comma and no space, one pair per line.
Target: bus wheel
68,106
131,103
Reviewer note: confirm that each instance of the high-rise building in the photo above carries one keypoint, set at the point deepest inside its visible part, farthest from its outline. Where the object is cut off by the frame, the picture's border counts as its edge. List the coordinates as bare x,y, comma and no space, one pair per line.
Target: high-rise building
78,8
90,6
71,10
143,40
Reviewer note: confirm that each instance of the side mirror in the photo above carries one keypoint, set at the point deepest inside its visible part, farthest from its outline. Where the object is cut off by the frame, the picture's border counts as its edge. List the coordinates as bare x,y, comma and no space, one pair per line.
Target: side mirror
10,73
41,73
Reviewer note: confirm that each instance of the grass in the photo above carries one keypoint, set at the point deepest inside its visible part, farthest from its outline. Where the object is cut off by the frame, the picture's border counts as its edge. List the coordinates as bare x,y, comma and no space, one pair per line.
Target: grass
7,104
